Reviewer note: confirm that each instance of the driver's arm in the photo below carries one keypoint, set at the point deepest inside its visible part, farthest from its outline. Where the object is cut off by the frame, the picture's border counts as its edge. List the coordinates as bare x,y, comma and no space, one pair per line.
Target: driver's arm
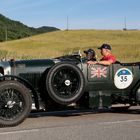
103,62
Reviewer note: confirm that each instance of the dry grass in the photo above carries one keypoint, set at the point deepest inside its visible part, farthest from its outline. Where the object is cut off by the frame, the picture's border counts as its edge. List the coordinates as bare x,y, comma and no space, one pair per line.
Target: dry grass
125,44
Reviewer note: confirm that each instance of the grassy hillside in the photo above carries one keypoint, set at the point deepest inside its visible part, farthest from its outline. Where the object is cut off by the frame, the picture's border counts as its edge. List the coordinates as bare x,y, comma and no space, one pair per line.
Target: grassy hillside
125,44
10,29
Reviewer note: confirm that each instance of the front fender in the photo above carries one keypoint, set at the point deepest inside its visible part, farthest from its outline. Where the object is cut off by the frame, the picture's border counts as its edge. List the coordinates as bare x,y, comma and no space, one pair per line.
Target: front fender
25,82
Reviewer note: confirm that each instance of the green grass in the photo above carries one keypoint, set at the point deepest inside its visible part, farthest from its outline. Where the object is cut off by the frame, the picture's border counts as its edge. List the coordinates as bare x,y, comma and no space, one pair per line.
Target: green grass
125,44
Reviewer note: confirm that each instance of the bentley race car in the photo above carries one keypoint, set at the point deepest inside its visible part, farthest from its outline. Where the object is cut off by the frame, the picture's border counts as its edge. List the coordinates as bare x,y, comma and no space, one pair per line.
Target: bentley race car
60,82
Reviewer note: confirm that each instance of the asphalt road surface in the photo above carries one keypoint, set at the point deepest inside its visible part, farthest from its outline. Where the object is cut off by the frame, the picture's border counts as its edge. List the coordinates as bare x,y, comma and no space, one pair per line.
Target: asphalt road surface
77,125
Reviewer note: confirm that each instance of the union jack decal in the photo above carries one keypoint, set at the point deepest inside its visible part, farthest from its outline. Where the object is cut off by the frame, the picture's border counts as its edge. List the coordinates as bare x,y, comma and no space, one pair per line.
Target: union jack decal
98,72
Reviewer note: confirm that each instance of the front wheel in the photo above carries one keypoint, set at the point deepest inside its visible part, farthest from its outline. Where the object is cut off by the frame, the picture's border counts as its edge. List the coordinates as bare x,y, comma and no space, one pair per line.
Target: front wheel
15,103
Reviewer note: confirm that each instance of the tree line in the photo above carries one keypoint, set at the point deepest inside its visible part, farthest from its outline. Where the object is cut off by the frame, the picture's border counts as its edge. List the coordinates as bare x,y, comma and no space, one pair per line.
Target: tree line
10,29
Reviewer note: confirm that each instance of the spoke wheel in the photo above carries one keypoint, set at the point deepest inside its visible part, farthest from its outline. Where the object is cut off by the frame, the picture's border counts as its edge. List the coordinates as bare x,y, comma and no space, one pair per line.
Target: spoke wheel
15,103
65,83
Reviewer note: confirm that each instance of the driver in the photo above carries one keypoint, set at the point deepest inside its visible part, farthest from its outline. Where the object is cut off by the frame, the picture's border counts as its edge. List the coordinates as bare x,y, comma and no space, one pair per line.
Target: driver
90,55
108,57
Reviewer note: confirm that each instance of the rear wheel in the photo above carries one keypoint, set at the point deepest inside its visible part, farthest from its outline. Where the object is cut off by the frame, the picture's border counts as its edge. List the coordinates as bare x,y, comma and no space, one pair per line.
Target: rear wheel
65,83
15,103
120,108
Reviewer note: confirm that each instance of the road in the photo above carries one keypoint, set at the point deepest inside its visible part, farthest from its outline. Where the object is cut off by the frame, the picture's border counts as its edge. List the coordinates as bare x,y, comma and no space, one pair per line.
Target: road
77,125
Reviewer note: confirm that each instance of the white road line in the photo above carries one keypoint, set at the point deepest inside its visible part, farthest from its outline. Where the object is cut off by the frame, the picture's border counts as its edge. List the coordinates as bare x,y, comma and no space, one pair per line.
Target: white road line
118,122
20,131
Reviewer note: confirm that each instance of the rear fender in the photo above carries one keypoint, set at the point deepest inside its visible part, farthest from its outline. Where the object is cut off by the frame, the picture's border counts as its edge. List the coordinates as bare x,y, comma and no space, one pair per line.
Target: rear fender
136,92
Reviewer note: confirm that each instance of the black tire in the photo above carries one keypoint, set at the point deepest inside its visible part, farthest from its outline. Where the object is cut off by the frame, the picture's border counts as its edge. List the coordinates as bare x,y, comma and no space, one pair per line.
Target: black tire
65,83
120,109
15,103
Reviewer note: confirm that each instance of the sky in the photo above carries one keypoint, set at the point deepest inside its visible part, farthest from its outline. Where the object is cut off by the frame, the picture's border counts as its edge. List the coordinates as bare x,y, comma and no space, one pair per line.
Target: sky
74,14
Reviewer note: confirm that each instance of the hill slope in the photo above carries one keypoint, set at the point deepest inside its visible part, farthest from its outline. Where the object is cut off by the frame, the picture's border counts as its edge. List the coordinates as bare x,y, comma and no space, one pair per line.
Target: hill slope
125,44
10,29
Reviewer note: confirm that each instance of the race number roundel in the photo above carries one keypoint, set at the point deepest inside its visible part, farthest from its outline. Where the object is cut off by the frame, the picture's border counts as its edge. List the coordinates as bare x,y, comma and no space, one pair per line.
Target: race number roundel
123,78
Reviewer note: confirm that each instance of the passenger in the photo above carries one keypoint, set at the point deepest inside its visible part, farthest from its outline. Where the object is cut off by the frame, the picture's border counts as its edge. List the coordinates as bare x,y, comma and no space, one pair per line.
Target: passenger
90,55
108,58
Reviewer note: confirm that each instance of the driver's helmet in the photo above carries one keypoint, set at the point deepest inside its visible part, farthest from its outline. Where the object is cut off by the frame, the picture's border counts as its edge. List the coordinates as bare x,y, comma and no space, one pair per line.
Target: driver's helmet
90,54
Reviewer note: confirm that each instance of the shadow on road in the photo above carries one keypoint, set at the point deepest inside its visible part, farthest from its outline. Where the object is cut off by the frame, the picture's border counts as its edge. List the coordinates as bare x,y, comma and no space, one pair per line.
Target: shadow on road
69,113
129,111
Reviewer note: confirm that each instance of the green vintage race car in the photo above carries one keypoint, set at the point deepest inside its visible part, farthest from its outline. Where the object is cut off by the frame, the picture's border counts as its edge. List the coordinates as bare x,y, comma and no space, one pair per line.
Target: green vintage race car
56,83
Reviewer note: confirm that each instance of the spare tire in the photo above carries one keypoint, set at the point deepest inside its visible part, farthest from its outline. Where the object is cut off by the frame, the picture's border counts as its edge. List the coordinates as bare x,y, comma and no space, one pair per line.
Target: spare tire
65,83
